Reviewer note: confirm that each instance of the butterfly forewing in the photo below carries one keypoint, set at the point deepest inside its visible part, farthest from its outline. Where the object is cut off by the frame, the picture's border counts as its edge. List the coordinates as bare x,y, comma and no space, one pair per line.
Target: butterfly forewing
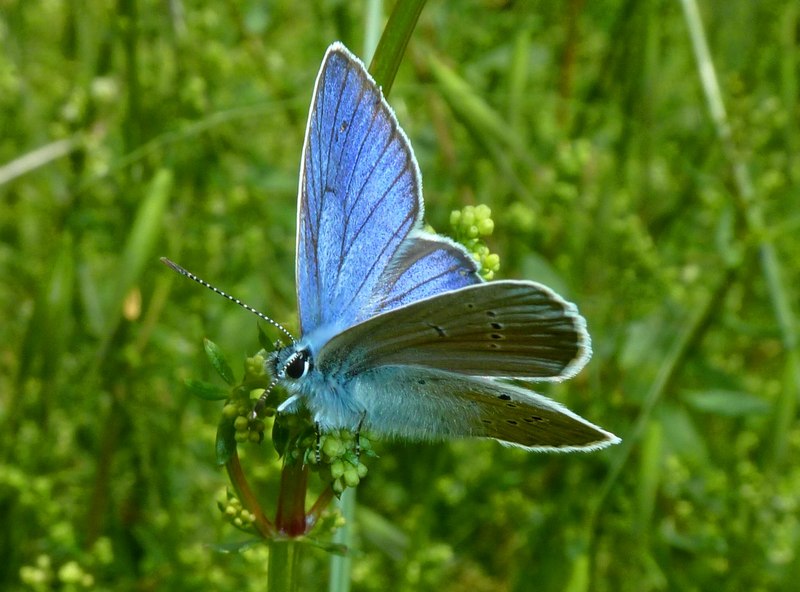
503,329
360,250
359,195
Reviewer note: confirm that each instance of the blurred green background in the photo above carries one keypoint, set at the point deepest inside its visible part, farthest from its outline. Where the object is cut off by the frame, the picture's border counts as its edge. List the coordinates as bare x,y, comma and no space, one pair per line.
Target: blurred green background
136,129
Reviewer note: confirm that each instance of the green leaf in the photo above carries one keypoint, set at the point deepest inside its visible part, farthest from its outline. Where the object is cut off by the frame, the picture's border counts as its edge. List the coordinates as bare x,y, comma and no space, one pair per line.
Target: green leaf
206,390
334,548
264,341
280,436
218,361
226,440
146,230
681,435
727,403
238,546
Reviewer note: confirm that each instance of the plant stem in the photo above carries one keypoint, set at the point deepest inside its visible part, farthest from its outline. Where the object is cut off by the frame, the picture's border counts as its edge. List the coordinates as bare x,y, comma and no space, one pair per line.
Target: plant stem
319,506
248,498
284,559
393,42
339,580
291,516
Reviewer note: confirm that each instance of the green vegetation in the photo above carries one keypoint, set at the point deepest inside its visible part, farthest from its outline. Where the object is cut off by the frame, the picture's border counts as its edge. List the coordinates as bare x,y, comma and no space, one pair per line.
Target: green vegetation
664,204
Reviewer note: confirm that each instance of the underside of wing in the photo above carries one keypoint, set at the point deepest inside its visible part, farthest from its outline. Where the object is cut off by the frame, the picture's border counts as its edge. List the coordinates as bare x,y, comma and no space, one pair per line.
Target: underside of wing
500,329
519,417
432,405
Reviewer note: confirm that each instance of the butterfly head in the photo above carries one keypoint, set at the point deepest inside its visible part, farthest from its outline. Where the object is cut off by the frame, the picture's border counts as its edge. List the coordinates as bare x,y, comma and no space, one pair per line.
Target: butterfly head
292,367
292,362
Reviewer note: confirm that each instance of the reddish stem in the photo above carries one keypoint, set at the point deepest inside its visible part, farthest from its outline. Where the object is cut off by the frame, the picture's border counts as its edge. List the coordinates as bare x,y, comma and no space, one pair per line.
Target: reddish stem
319,506
248,498
291,516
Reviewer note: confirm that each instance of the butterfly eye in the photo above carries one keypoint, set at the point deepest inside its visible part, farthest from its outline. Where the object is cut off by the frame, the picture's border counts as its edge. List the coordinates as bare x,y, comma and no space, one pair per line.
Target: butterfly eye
298,365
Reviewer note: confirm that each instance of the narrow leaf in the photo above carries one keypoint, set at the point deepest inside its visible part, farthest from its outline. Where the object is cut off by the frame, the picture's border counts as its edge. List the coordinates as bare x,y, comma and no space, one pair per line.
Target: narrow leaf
206,390
218,361
226,440
727,403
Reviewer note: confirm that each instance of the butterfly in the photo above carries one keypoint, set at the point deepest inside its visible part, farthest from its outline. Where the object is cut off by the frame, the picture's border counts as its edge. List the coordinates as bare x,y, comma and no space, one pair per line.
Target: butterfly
400,335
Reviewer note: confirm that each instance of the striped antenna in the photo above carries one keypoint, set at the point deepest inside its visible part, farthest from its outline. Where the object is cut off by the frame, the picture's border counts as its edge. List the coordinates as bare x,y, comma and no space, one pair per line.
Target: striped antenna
202,282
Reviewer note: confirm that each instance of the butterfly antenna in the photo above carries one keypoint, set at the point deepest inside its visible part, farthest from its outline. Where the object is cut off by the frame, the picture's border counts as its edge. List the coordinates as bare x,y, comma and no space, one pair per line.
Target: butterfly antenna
202,282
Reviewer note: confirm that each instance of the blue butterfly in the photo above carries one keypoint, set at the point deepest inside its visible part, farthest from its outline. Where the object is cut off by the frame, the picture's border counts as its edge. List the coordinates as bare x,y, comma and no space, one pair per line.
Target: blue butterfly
400,336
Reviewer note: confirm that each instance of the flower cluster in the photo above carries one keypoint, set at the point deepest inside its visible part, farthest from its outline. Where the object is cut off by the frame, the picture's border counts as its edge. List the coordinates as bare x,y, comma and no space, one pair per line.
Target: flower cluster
235,513
340,458
470,225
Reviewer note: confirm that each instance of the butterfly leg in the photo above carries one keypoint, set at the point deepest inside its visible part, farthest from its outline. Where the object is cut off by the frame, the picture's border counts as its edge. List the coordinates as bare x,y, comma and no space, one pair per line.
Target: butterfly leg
358,435
317,454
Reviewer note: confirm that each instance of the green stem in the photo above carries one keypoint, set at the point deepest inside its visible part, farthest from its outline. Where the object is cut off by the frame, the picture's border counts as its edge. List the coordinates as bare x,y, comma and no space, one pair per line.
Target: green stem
284,559
341,564
393,42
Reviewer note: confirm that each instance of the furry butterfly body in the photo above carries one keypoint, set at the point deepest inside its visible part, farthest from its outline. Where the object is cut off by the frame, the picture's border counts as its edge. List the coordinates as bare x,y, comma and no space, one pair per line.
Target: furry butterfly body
399,334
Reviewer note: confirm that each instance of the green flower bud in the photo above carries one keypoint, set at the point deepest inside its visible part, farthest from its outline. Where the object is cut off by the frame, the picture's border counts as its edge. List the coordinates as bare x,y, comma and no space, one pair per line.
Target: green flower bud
351,477
337,469
333,446
254,366
467,217
486,226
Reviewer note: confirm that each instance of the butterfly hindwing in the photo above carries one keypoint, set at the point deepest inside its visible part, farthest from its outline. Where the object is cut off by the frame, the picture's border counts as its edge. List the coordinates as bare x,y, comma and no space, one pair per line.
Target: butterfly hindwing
431,405
501,329
425,266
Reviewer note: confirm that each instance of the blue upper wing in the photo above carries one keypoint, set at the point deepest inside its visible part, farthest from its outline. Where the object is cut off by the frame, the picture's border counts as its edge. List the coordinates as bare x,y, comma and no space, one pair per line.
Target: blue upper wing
359,247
